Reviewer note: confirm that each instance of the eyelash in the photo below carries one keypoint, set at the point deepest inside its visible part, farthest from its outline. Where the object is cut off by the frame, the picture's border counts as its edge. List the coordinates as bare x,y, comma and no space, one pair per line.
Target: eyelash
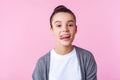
58,25
69,25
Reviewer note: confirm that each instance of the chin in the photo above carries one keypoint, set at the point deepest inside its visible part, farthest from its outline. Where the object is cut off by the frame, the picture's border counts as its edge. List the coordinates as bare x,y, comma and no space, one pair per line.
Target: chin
66,44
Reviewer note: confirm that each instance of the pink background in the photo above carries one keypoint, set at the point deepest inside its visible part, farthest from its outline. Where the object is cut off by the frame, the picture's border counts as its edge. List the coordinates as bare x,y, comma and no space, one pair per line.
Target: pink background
25,34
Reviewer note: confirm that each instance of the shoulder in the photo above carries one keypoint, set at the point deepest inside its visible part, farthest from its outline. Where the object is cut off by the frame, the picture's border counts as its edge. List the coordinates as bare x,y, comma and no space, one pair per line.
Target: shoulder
82,51
44,59
87,62
41,67
86,54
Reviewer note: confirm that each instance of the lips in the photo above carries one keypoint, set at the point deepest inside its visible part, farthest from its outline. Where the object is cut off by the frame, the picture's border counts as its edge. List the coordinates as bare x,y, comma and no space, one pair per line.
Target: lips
65,37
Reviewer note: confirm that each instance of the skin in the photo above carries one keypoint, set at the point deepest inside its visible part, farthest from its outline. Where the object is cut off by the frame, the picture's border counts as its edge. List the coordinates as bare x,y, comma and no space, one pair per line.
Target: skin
63,29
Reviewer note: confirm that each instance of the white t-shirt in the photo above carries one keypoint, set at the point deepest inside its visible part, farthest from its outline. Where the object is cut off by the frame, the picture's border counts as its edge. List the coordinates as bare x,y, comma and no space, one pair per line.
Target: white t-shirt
64,67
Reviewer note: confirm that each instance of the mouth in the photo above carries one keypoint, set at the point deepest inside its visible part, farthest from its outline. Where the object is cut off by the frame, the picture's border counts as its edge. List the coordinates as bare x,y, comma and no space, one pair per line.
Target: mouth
65,37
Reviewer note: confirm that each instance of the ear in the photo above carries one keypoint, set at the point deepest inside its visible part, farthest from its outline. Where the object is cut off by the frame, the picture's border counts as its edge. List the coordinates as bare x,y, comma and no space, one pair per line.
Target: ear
76,29
51,30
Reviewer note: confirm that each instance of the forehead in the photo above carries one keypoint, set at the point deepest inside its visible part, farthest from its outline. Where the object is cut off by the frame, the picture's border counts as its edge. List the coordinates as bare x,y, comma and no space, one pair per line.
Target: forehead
63,16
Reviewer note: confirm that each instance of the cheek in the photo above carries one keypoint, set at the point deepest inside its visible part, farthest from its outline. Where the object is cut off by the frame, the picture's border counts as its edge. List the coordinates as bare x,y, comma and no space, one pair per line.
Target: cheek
73,31
55,33
76,30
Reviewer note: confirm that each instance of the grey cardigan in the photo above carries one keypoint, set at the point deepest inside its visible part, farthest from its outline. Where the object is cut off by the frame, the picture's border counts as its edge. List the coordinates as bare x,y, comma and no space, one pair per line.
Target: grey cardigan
85,58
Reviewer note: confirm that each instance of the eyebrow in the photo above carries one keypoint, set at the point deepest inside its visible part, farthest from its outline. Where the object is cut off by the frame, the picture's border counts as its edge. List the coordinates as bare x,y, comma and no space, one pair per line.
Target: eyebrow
71,21
67,21
57,21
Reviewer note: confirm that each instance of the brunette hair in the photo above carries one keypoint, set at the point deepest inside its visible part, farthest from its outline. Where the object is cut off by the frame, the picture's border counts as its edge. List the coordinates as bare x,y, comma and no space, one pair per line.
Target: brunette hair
61,8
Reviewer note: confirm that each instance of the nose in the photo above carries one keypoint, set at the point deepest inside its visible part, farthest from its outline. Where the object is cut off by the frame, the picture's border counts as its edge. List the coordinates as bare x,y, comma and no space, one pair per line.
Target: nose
65,29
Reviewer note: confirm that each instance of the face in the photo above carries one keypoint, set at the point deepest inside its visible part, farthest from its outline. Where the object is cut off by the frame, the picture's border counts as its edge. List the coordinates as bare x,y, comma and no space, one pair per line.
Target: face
63,28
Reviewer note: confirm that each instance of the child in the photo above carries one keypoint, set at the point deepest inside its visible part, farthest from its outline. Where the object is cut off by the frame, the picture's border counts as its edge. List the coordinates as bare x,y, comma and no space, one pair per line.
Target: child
65,61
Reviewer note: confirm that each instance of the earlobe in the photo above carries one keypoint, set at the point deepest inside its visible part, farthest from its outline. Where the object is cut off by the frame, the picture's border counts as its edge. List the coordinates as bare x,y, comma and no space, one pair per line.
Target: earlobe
51,30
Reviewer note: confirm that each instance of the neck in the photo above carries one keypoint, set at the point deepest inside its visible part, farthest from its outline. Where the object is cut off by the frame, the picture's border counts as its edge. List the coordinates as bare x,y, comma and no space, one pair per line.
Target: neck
63,49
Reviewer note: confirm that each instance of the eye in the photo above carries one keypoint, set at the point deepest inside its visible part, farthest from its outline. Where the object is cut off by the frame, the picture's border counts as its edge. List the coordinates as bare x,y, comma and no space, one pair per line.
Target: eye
58,25
70,25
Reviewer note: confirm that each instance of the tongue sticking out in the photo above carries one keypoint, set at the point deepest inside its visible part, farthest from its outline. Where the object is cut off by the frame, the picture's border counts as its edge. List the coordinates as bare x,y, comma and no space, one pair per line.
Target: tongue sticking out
65,37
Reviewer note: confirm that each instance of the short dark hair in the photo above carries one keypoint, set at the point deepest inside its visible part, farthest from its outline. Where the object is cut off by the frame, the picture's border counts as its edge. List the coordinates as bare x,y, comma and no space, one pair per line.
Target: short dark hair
61,8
